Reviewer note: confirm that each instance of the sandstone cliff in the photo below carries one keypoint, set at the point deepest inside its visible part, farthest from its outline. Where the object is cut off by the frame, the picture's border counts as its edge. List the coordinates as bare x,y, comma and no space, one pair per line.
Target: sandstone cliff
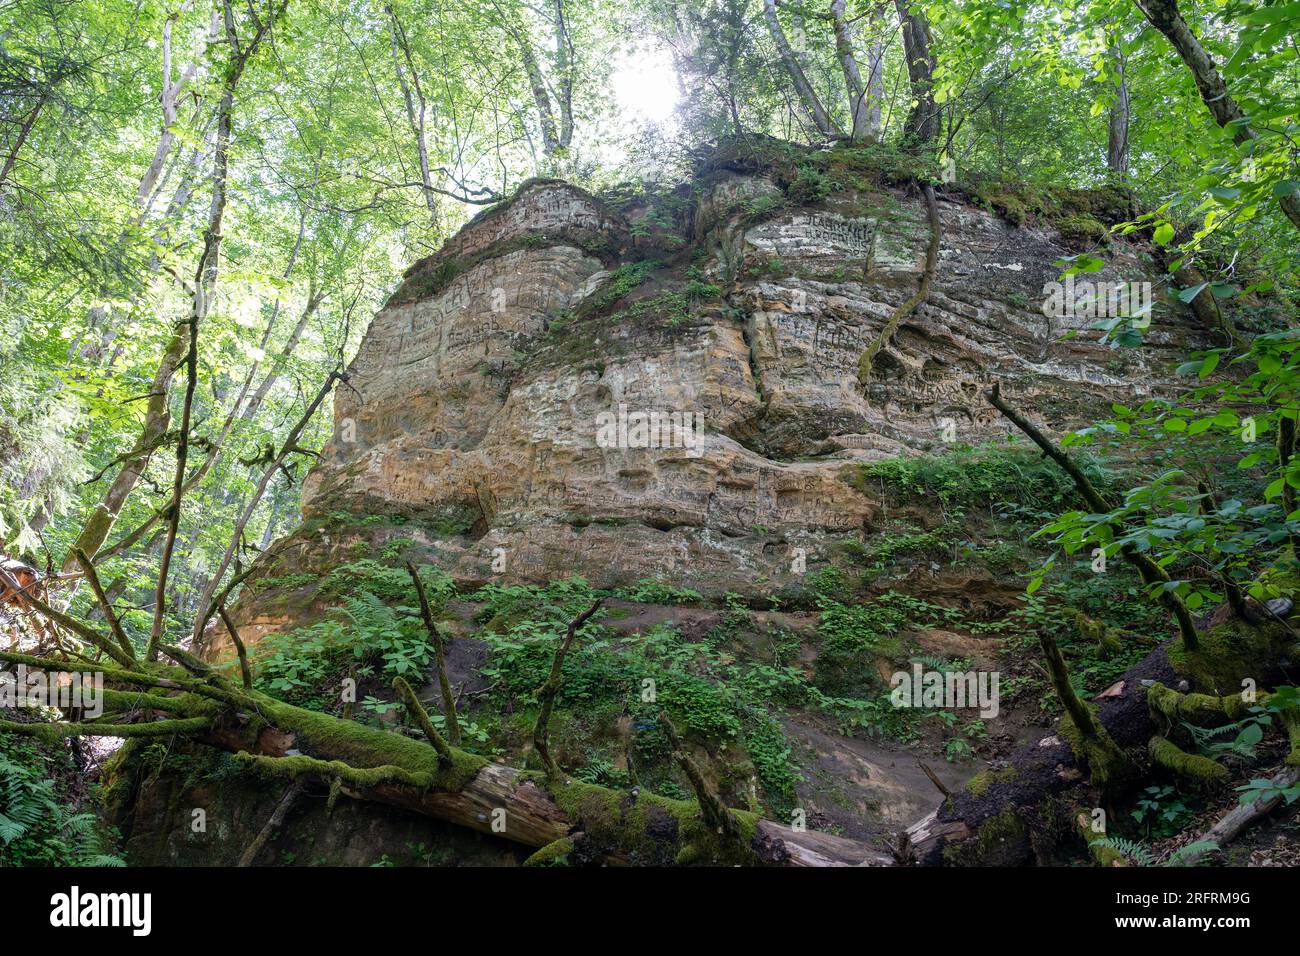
473,409
491,430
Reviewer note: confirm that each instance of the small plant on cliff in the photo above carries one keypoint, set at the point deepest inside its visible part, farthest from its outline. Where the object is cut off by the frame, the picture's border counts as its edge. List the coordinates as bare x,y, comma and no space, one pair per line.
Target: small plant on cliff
809,186
654,591
624,279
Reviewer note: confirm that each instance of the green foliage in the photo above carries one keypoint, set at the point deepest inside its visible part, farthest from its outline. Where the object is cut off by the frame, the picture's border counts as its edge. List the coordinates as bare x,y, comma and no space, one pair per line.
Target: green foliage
1011,477
1174,515
624,279
1263,788
1214,742
1161,810
298,664
1112,599
711,697
852,637
1131,849
313,243
39,825
809,186
654,591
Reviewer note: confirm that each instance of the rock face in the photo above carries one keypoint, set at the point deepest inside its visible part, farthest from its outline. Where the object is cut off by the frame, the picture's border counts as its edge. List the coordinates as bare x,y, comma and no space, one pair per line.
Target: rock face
498,400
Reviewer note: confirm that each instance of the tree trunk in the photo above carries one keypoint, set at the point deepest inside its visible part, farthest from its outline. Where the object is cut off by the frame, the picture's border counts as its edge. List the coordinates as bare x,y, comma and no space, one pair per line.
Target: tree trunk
921,128
860,98
157,413
416,106
1117,153
876,71
803,89
564,65
23,133
205,608
171,91
1165,17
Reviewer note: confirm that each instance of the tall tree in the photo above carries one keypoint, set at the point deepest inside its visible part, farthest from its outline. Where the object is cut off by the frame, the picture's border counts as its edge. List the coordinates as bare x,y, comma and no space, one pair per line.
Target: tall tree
1165,16
921,128
806,95
1117,148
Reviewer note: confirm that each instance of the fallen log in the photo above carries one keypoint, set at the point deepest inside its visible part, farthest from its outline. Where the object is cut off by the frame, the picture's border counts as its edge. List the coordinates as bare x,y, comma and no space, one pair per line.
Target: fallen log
1236,821
525,807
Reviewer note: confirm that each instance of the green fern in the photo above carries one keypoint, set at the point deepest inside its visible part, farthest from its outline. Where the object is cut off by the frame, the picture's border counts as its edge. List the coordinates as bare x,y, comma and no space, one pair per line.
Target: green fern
1194,850
36,826
1135,852
1141,856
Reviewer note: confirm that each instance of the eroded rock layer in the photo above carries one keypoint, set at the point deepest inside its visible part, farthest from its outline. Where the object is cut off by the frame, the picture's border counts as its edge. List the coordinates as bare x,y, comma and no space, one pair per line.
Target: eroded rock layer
494,398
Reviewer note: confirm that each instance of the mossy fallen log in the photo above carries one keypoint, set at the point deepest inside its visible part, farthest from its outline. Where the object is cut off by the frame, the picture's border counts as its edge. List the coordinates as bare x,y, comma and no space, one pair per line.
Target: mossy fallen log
634,827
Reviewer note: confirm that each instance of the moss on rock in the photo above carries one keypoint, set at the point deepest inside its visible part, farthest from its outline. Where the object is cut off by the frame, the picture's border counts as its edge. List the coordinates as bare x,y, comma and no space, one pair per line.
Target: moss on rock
646,829
1229,653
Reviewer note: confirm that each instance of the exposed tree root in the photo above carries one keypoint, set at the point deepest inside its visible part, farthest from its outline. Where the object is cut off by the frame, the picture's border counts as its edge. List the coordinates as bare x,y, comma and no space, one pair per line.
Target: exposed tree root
916,300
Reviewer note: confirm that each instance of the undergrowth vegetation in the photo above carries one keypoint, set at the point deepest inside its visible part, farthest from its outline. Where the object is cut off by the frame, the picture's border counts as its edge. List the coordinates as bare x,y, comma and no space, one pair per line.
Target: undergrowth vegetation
41,823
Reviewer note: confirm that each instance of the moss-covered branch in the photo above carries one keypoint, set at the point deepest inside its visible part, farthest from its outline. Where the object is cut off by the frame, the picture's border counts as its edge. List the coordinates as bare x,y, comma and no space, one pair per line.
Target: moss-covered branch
83,631
439,659
547,693
1200,771
1088,739
1286,445
1151,572
244,673
105,605
362,778
59,730
421,718
716,813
